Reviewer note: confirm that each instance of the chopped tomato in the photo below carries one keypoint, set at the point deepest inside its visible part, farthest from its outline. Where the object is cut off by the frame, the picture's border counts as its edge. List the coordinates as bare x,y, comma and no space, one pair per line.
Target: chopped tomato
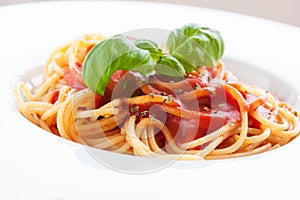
123,84
185,130
74,80
53,96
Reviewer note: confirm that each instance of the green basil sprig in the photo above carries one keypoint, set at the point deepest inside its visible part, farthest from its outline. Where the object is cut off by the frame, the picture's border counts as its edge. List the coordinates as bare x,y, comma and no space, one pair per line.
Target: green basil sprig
196,46
165,64
188,47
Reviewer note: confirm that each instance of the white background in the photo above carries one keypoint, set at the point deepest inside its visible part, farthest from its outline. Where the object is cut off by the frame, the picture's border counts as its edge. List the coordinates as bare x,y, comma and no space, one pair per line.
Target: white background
286,11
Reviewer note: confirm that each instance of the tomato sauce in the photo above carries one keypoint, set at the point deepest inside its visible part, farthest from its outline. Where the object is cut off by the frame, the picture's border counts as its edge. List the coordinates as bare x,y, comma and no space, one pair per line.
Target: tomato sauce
215,111
218,111
212,118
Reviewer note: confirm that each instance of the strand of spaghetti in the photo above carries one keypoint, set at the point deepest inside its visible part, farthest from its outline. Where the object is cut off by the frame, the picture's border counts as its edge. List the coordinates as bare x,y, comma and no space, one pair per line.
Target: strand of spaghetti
46,85
272,101
153,143
257,138
95,141
89,136
144,138
36,111
209,137
84,97
139,148
248,89
51,121
27,113
38,108
205,151
267,122
196,94
142,150
62,120
278,140
117,147
107,109
171,146
293,120
21,104
261,149
59,52
20,86
148,137
251,131
260,93
257,102
39,105
238,143
181,112
221,69
142,131
142,125
124,148
63,93
41,124
97,127
148,89
249,147
109,141
56,68
102,125
96,113
171,86
74,52
180,157
67,111
209,148
111,132
244,123
153,99
253,90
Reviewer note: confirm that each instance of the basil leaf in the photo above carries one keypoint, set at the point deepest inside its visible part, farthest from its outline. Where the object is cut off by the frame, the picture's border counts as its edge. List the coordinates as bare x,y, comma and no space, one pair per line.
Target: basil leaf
195,46
169,66
110,55
151,46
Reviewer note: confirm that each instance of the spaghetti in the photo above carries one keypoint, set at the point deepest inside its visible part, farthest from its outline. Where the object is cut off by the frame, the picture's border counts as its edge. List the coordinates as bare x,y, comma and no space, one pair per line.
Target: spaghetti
209,114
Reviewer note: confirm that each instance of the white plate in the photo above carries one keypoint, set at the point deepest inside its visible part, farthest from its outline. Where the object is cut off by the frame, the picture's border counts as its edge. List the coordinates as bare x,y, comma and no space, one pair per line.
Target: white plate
38,165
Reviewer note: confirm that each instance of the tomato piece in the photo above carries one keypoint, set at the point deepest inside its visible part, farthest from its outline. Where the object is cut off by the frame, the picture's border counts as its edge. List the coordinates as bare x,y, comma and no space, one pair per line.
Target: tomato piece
124,84
53,96
74,80
215,111
186,130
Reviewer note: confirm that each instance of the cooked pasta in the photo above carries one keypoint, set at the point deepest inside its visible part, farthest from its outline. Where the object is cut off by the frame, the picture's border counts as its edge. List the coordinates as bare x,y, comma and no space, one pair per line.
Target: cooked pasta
208,114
